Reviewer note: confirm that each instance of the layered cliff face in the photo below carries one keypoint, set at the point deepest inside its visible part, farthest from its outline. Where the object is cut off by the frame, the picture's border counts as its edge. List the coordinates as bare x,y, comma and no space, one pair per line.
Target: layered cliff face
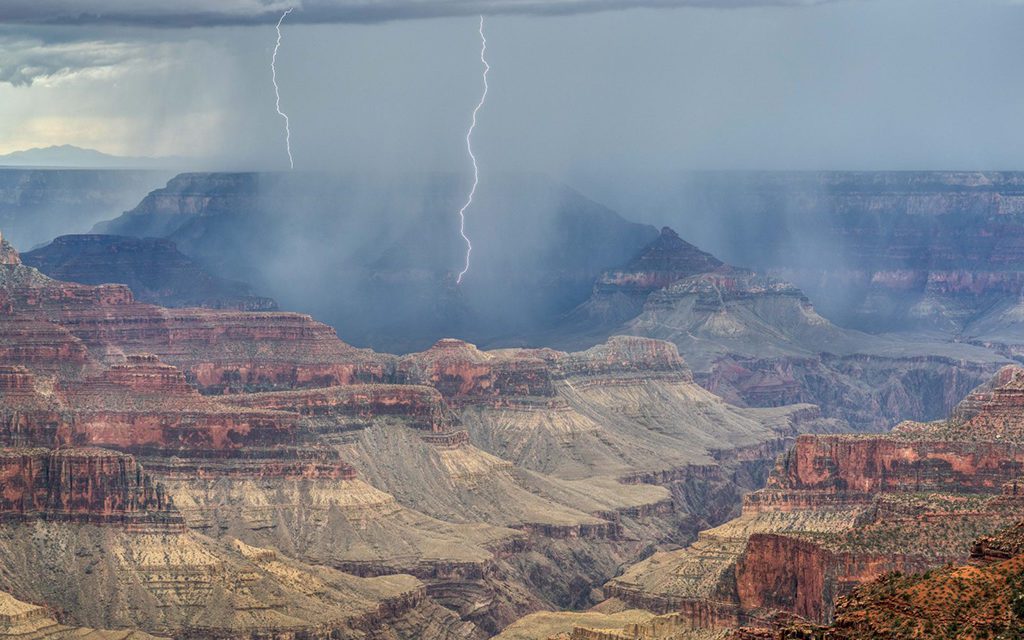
142,406
52,324
579,518
234,455
538,243
87,484
842,510
758,341
91,521
981,599
154,269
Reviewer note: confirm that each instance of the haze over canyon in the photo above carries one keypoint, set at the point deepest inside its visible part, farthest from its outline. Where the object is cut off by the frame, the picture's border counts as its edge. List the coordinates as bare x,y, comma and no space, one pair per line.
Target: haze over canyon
457,320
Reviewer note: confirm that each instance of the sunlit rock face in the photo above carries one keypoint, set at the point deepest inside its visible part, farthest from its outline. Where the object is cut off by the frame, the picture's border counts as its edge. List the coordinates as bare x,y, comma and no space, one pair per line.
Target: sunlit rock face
978,598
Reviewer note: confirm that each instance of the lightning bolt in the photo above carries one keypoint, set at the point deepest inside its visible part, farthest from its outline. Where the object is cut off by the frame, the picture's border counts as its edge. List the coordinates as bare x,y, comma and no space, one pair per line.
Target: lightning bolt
277,93
469,148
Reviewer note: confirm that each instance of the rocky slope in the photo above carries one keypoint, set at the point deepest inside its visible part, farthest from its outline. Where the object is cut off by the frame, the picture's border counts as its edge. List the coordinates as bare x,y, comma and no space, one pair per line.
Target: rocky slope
758,341
90,534
394,245
464,487
840,511
23,620
154,269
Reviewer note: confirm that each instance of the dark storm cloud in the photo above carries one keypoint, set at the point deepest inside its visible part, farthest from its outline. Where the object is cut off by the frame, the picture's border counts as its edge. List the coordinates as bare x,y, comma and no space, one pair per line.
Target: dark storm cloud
194,13
25,61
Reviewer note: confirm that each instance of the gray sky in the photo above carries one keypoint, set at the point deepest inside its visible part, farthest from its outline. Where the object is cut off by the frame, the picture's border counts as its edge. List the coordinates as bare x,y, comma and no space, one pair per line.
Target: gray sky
861,84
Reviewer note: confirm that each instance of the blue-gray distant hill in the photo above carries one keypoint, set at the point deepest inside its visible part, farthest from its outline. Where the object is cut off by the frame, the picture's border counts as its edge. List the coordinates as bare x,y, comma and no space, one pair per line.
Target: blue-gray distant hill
36,205
153,268
68,156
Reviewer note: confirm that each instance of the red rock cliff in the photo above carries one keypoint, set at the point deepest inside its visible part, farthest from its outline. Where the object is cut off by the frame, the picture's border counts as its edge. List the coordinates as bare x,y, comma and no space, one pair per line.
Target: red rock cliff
79,484
874,464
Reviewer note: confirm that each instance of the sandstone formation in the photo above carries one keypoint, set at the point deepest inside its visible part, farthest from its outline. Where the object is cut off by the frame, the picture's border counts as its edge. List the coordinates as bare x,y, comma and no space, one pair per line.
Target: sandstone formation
90,485
48,323
88,532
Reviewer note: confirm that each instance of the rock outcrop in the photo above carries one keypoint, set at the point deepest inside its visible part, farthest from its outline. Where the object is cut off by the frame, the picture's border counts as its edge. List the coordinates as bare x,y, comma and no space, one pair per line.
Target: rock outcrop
984,598
840,511
82,484
49,321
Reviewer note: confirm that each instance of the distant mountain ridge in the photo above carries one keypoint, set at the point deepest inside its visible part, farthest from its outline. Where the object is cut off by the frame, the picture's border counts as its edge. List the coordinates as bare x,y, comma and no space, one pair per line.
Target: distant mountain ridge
70,156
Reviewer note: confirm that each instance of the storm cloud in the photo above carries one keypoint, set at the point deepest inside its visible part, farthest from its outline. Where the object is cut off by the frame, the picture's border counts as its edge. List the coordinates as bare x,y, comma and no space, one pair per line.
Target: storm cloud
26,61
198,13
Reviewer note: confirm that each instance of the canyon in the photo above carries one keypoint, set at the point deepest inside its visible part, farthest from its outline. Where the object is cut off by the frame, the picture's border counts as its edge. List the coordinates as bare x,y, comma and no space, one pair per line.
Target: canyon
387,241
221,473
750,337
841,529
650,443
875,250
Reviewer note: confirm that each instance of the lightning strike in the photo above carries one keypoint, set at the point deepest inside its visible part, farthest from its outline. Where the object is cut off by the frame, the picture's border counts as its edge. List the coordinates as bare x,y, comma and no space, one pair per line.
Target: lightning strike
469,148
277,93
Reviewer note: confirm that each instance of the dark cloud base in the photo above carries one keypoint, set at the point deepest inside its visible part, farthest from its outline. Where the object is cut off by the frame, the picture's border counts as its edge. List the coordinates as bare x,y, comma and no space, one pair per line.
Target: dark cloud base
167,14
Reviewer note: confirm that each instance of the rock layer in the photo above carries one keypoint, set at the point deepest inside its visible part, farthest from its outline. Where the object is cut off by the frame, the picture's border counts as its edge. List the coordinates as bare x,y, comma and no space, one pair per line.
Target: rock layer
841,511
